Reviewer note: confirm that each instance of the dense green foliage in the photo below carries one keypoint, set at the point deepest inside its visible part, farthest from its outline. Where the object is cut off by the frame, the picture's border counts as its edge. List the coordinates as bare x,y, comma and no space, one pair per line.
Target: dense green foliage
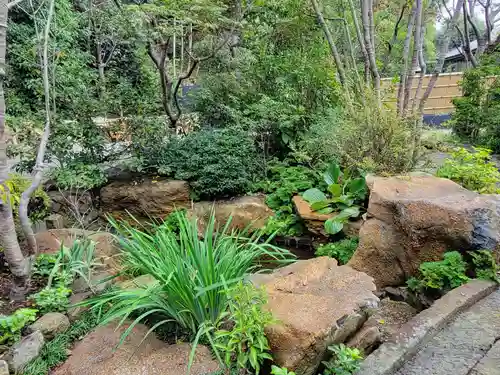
56,351
275,370
485,265
191,274
453,271
477,114
281,183
216,162
345,361
442,275
11,325
347,192
245,343
39,204
472,170
342,250
52,299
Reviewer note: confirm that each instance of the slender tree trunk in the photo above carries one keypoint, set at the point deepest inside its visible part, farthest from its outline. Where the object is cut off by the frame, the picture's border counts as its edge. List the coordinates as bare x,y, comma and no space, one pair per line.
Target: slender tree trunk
39,166
414,61
100,70
8,237
366,15
331,43
359,35
404,67
467,47
423,70
442,50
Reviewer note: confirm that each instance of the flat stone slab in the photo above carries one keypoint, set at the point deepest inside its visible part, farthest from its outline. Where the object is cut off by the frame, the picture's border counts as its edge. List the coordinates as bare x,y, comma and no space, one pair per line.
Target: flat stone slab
99,354
460,345
490,364
413,335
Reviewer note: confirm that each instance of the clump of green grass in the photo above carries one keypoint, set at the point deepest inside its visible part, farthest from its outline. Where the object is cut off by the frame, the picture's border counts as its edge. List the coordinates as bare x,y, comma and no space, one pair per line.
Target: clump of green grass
191,273
55,352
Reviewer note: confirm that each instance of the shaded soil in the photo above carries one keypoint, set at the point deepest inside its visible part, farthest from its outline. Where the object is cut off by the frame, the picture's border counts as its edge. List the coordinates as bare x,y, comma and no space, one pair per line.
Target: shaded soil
7,306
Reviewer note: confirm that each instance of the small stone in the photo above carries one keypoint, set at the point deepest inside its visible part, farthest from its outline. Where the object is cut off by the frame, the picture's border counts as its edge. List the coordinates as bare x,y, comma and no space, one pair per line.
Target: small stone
50,324
366,340
25,351
98,282
347,327
4,368
54,221
74,312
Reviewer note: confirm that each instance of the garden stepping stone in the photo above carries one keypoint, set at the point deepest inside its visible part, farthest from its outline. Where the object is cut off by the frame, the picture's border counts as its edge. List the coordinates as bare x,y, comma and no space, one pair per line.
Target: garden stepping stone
24,351
50,324
317,303
99,354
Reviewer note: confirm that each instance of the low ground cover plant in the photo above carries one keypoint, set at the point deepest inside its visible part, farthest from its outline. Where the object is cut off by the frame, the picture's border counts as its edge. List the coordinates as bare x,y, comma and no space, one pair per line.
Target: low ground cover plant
345,360
342,250
472,169
11,325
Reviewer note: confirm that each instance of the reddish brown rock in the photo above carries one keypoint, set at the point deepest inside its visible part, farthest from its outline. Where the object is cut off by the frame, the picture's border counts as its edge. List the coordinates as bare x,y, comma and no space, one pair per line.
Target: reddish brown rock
416,219
244,212
98,354
317,303
147,199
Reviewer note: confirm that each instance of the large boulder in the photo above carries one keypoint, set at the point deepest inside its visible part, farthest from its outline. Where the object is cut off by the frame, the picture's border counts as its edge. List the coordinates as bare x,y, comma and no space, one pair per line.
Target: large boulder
99,354
146,199
317,303
416,219
247,211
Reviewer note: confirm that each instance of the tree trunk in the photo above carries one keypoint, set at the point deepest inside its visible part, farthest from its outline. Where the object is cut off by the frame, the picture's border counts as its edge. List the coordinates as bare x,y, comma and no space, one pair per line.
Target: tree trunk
366,15
442,50
8,237
359,35
414,61
331,43
467,48
40,158
404,67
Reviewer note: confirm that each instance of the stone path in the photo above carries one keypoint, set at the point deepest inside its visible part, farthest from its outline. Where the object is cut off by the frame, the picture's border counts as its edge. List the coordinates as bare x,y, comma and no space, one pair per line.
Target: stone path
467,345
458,335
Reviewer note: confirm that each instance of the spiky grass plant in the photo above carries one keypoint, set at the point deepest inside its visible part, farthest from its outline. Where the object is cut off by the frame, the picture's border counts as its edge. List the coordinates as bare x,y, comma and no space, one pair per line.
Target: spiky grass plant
191,273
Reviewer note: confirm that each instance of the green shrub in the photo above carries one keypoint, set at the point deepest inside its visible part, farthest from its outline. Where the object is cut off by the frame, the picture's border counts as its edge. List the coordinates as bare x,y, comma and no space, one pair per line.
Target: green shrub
43,266
78,176
347,192
443,275
191,273
345,361
374,138
245,343
472,170
485,265
39,204
477,112
275,370
282,183
342,250
215,162
54,299
11,325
